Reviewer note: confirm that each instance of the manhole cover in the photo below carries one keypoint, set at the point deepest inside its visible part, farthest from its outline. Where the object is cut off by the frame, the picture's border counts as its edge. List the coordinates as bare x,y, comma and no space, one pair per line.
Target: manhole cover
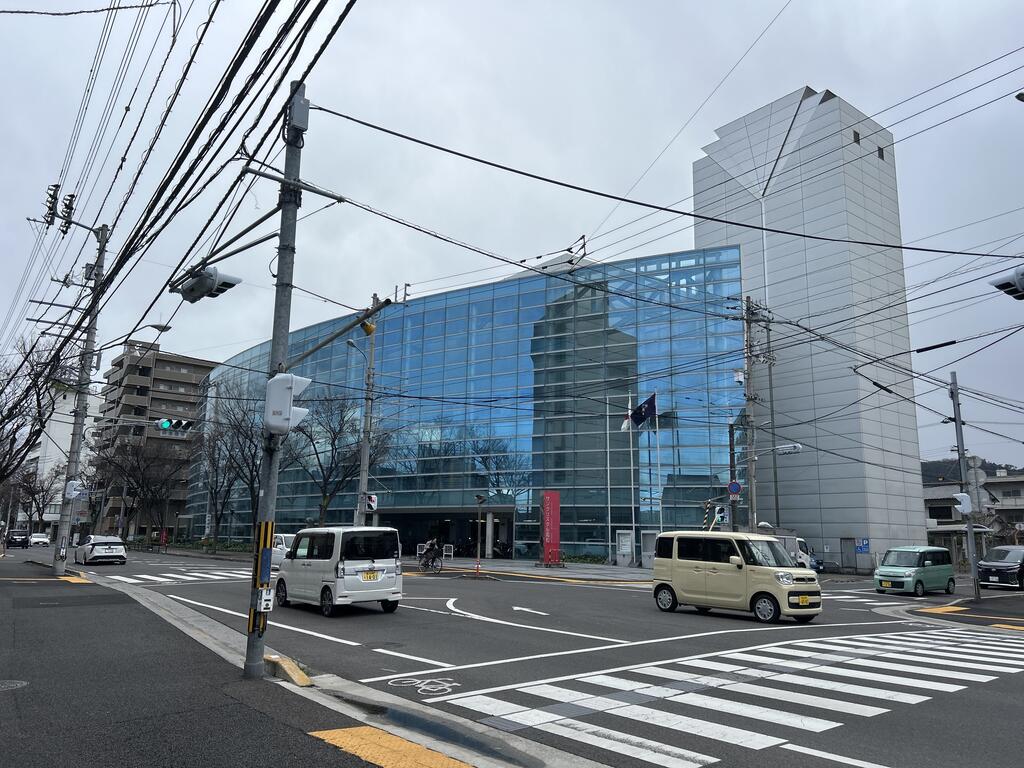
10,685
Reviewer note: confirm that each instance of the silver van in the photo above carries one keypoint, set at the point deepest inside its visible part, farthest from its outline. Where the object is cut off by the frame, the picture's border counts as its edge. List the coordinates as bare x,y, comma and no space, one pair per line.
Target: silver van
342,566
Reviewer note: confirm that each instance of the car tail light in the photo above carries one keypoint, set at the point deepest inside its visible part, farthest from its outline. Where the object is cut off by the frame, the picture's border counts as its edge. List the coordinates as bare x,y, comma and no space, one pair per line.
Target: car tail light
398,567
340,569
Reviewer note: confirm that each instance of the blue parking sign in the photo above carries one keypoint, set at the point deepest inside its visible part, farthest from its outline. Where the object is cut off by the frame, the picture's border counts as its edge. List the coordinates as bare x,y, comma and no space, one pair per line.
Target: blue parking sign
863,546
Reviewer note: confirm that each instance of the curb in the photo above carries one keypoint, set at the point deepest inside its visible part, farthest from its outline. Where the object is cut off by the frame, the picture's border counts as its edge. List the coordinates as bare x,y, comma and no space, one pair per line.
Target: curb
286,669
242,557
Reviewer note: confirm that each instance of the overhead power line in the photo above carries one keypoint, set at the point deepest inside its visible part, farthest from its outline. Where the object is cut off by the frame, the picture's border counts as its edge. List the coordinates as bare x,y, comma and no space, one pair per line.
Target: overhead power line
644,204
85,11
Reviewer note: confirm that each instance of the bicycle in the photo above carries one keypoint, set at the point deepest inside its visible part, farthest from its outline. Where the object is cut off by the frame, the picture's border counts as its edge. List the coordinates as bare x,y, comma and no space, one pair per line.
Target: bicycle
431,563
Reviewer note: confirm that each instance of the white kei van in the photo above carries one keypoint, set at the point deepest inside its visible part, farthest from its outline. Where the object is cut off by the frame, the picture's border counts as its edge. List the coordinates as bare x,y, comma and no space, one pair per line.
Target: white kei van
739,571
342,566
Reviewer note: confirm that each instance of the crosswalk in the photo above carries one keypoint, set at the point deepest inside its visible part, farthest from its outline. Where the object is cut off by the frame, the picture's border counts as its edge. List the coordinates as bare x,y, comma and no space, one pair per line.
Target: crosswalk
755,698
857,599
182,578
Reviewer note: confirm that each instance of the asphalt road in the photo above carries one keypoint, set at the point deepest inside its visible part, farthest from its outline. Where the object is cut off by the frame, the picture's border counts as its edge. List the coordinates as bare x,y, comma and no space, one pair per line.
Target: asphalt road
598,671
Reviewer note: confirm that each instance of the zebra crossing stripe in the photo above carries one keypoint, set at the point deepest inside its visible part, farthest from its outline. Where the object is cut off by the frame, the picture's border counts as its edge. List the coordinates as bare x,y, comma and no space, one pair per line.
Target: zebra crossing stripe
213,576
856,690
985,636
945,658
996,642
154,578
959,645
918,670
806,699
182,576
852,762
229,574
681,723
949,662
628,745
892,679
756,712
126,579
489,705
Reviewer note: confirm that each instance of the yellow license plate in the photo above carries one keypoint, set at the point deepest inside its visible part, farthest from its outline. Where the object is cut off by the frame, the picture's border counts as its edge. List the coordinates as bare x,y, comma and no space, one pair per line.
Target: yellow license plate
805,600
886,583
370,575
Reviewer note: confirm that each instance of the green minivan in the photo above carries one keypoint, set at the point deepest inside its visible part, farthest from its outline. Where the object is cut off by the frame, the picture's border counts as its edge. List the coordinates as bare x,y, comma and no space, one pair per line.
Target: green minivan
915,569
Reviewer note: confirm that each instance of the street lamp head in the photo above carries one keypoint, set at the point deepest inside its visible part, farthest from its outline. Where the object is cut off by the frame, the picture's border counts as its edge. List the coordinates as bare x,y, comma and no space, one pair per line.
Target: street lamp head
160,327
1020,96
351,343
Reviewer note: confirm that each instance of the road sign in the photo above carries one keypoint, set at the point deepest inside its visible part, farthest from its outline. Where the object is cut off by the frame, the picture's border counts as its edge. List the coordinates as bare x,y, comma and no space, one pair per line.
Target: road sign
863,546
734,497
734,488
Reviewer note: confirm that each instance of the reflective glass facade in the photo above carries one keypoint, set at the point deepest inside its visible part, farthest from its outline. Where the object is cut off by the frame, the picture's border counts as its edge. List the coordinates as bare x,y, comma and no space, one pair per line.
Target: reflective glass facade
515,387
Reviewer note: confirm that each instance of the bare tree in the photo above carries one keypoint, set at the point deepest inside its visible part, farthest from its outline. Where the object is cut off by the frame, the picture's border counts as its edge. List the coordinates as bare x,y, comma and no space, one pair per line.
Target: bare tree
239,416
39,491
29,386
507,472
220,474
326,447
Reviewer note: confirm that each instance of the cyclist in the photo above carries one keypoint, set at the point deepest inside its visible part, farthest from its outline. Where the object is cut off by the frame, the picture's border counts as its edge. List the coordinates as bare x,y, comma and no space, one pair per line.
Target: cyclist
431,552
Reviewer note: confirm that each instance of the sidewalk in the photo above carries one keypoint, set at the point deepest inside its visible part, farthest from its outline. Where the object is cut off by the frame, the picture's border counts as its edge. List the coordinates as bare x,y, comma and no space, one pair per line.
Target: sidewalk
570,571
88,677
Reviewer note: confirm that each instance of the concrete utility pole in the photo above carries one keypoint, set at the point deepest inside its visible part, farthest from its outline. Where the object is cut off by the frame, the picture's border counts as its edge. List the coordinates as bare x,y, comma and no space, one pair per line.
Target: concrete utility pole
732,473
954,394
364,444
60,552
771,416
750,397
290,198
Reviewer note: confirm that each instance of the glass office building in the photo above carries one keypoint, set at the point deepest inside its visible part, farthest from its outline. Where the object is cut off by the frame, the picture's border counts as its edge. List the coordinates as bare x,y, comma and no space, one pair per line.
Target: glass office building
505,390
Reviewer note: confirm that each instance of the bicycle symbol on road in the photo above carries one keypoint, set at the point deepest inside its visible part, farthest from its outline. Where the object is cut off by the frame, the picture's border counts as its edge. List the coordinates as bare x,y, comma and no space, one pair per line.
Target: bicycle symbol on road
437,685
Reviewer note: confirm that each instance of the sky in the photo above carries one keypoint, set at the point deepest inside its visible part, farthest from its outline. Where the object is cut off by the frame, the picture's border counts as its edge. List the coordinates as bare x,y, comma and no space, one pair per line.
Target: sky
586,91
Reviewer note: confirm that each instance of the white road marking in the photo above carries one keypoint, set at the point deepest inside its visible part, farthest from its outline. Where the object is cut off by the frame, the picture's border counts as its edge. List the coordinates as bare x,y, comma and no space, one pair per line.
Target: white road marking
914,653
918,670
618,683
230,575
626,744
553,692
756,712
490,706
155,578
529,610
935,648
726,733
959,663
717,666
856,690
412,658
126,579
450,605
829,756
806,699
214,577
183,577
893,679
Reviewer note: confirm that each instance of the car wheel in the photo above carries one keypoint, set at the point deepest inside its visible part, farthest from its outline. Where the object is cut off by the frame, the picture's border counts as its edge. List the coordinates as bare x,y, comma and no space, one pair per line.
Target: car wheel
666,599
950,587
804,619
766,609
281,593
389,606
919,589
327,602
702,609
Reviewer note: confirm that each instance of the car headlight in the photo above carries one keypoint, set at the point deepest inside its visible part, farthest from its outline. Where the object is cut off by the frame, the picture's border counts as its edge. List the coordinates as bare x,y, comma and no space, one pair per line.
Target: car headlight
784,577
907,574
876,574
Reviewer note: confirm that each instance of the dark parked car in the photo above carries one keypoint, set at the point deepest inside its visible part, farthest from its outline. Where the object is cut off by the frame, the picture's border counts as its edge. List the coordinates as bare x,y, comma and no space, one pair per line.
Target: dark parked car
1002,567
18,539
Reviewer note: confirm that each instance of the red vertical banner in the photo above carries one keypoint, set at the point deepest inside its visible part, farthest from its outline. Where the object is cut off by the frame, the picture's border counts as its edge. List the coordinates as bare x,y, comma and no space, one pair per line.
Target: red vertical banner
551,521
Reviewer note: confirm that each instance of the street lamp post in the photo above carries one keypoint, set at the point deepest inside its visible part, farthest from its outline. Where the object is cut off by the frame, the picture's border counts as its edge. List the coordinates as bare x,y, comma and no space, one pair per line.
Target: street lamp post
479,507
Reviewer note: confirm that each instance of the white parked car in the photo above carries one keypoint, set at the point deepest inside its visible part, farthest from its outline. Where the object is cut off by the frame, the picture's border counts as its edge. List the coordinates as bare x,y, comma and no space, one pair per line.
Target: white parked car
282,543
39,540
101,549
342,566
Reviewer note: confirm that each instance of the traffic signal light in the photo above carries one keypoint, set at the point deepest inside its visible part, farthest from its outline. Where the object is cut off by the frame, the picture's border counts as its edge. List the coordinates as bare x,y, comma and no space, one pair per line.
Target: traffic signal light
1011,283
67,213
51,204
166,424
209,282
720,515
279,415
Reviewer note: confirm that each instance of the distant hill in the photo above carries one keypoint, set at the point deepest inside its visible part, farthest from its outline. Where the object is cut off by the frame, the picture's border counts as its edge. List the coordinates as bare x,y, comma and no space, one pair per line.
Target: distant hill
948,470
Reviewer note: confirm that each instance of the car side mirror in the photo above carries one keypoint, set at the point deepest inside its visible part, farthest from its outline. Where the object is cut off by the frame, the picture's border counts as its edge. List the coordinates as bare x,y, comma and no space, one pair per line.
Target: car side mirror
289,555
927,563
734,560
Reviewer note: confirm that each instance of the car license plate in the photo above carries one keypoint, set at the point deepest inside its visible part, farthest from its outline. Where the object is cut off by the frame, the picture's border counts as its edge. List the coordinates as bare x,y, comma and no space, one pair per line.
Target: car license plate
805,600
886,583
993,578
370,575
108,549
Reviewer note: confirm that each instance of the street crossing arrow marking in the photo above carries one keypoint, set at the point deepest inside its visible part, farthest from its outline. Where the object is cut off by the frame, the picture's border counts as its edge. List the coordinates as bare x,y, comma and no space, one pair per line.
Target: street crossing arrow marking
529,610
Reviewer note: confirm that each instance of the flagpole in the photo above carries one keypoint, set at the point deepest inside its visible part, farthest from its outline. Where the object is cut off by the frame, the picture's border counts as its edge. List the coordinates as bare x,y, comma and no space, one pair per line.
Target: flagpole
632,481
657,448
608,474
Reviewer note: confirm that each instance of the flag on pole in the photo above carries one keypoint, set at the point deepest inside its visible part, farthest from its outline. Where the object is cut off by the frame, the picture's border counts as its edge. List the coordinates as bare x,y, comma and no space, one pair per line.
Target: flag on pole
626,422
636,417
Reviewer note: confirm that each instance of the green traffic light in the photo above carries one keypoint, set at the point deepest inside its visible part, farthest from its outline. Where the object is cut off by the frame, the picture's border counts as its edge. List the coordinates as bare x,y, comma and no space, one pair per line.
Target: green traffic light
165,424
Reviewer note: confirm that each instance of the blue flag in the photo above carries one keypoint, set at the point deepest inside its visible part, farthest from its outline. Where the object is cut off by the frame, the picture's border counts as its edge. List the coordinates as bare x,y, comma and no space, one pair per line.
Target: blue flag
648,409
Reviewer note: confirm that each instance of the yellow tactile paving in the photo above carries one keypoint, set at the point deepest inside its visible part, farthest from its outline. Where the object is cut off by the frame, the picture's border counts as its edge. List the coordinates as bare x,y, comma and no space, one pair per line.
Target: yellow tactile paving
74,580
386,750
942,609
1018,627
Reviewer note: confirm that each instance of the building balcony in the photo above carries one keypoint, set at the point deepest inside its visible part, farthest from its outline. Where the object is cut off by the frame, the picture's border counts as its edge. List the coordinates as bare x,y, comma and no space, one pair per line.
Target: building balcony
135,400
160,374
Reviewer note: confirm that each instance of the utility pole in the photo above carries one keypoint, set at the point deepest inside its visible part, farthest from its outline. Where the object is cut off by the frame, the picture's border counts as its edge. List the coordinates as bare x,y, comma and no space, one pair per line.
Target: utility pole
954,394
85,364
771,416
750,397
364,445
290,198
732,472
